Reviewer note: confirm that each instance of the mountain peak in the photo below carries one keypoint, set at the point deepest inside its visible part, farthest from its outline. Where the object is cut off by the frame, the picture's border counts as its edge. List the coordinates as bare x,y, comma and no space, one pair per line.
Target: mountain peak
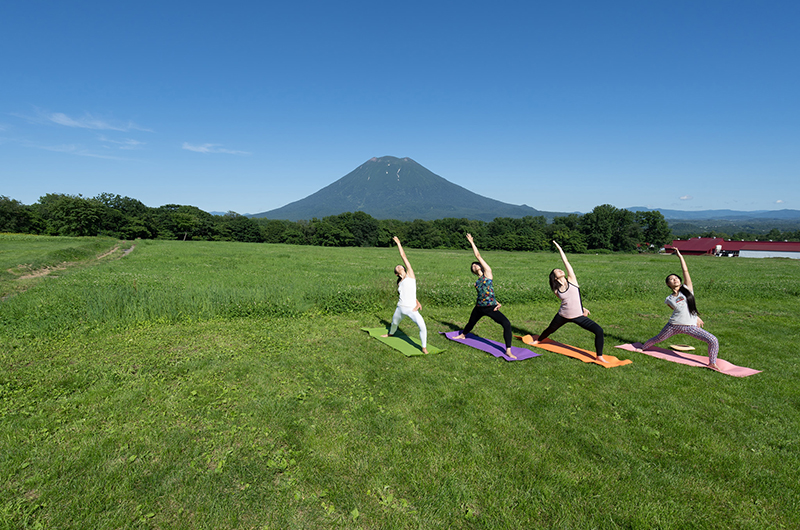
388,187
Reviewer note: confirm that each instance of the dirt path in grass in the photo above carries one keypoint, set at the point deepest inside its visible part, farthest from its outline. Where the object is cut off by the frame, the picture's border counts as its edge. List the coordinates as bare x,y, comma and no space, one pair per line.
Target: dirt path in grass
60,267
40,272
101,256
46,271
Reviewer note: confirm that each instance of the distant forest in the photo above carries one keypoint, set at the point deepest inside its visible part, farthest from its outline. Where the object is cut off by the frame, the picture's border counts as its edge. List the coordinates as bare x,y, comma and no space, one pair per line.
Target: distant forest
606,228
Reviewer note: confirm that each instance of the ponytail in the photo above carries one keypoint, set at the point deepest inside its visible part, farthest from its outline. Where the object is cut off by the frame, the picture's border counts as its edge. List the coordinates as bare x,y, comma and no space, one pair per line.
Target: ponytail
690,303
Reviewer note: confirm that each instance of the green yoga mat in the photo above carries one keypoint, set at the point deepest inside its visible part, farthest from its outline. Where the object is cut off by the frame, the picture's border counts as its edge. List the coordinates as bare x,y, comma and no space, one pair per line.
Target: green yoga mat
401,342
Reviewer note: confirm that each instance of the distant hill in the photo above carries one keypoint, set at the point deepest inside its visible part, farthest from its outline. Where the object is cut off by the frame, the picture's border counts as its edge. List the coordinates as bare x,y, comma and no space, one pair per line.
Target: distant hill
722,215
402,189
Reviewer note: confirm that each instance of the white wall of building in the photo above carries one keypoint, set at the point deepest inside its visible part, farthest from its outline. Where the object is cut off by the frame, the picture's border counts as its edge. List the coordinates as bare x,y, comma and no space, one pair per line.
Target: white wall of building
768,254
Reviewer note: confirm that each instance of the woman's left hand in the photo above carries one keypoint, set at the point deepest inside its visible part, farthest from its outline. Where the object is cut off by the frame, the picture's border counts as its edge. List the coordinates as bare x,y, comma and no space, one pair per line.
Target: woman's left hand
700,322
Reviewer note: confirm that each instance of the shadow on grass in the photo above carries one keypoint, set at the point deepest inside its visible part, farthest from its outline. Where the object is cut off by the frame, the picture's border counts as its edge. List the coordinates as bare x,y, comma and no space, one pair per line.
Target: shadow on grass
457,327
399,334
609,337
453,326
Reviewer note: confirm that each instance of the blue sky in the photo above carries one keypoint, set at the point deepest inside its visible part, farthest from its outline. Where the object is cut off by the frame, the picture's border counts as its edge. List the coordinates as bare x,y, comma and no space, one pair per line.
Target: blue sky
247,106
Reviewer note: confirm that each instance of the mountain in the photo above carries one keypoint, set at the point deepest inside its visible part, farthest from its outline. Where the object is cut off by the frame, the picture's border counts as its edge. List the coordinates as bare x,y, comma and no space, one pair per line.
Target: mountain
402,189
722,215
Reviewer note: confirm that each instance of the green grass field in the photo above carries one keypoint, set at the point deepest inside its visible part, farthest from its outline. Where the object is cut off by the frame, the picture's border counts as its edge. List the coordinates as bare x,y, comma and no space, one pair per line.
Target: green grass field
228,385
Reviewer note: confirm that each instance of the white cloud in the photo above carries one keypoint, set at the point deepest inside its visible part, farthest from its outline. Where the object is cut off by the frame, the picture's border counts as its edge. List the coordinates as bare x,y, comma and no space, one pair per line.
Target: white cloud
87,121
77,150
211,148
127,143
90,122
687,198
779,201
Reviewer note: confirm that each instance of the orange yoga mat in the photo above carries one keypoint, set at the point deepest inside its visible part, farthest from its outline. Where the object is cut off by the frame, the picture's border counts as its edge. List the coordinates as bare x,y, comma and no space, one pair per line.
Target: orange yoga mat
574,352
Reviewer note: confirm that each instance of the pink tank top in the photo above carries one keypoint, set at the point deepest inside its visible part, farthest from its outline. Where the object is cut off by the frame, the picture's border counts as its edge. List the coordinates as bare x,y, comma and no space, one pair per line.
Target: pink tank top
571,305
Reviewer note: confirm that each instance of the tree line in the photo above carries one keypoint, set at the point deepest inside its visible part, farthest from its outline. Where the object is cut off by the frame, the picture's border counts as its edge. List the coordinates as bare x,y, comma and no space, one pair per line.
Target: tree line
605,228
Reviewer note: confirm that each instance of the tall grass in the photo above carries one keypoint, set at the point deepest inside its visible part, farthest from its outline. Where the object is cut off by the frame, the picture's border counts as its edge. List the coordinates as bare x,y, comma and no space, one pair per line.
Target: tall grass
225,385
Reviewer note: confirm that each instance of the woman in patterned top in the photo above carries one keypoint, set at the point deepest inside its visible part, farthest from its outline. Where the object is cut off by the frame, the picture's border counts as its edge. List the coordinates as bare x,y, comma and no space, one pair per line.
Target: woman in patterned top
565,286
685,319
486,305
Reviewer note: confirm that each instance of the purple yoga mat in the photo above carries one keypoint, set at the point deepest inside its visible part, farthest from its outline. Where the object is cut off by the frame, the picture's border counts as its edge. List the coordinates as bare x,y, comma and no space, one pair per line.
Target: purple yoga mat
498,349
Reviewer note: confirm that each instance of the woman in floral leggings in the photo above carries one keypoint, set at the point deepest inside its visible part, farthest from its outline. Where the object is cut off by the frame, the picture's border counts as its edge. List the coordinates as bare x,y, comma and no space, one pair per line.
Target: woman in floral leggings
684,319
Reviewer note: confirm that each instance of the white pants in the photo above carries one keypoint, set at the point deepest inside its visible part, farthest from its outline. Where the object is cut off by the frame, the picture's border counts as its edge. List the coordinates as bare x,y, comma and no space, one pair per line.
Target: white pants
415,317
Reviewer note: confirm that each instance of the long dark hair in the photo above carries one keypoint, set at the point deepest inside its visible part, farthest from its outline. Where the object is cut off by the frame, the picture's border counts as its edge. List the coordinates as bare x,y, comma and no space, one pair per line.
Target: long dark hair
690,303
478,263
554,285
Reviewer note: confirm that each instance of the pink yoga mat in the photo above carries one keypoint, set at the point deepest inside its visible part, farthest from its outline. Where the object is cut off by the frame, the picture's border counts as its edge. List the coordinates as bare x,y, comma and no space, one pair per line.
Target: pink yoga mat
498,349
692,360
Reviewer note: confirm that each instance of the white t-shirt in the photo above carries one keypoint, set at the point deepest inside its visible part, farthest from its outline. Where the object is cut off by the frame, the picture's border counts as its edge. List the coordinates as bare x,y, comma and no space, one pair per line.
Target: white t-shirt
407,289
680,310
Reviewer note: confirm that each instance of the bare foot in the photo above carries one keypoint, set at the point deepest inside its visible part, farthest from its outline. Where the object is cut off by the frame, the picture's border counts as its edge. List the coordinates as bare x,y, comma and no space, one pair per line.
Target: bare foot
384,336
639,350
460,337
713,366
508,352
535,342
602,359
425,351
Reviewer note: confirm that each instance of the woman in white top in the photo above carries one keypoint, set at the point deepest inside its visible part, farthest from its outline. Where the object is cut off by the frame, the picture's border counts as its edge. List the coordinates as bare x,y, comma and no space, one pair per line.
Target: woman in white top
565,286
685,319
407,305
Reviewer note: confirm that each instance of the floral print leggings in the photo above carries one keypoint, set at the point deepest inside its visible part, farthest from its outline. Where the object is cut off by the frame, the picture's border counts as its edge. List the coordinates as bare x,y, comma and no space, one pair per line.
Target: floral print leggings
695,331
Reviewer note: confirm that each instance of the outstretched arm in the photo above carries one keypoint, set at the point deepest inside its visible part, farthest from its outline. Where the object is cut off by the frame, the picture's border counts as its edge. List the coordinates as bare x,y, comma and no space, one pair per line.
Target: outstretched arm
570,273
687,280
409,270
487,270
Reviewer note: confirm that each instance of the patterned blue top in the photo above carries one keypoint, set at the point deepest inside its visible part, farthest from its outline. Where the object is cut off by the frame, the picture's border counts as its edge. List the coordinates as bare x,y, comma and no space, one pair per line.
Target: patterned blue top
485,292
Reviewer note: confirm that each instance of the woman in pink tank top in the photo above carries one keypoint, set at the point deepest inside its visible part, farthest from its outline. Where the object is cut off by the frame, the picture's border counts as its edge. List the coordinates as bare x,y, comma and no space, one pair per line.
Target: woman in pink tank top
565,287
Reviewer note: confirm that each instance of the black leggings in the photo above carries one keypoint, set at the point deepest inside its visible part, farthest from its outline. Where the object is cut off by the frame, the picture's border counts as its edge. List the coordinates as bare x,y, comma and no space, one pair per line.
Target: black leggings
585,322
488,311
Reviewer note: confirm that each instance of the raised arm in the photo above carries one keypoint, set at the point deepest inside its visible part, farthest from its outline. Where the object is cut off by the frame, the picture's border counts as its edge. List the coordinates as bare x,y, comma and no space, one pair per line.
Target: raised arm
570,273
409,270
687,280
487,270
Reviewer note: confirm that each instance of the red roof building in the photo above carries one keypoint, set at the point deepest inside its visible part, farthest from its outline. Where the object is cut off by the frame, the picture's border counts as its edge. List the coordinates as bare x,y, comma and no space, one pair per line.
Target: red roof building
717,246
